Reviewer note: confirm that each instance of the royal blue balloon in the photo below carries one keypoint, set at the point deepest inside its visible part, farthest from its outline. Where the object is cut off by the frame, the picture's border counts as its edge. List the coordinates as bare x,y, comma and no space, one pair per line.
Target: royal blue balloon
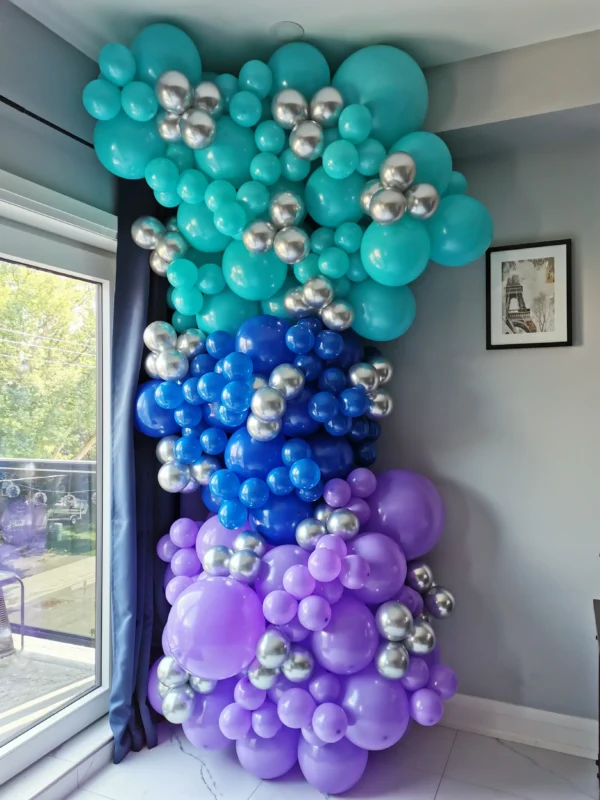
431,155
187,415
232,514
278,481
299,65
300,339
339,425
365,454
333,455
354,402
254,493
331,202
213,441
201,364
296,420
230,154
224,484
208,500
353,351
161,47
311,495
397,254
263,339
124,146
220,344
328,345
190,392
231,419
250,458
461,230
194,430
332,380
211,416
314,324
381,313
278,518
310,364
323,406
237,366
196,223
305,473
188,449
236,396
359,430
210,386
169,394
374,430
293,450
150,418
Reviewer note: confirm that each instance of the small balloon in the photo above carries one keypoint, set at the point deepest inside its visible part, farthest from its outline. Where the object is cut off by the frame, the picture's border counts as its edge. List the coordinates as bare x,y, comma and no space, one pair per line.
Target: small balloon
198,129
439,602
291,245
423,200
174,91
306,140
398,171
288,108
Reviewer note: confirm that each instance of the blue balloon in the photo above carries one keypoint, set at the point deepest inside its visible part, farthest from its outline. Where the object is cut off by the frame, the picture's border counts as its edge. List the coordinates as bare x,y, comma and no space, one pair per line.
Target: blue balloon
219,365
300,339
359,430
231,419
124,146
169,394
208,500
278,518
201,364
232,514
210,412
332,380
254,493
213,441
150,418
305,473
311,495
353,351
188,415
331,202
333,455
293,450
230,154
461,230
310,364
381,313
219,344
299,65
328,345
374,430
339,425
236,396
193,430
397,254
250,458
323,406
278,481
190,392
188,449
237,366
224,484
263,339
354,402
210,386
296,419
196,223
431,155
161,47
365,454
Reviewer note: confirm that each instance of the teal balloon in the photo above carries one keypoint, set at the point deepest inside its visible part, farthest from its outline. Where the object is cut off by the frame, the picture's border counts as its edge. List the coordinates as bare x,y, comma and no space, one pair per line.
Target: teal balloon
161,47
245,108
254,198
340,159
355,123
392,86
460,231
356,272
181,155
284,185
167,199
370,155
230,219
269,137
192,185
309,268
256,77
322,238
331,202
230,154
292,167
228,85
187,300
182,272
395,255
117,63
182,322
253,276
274,305
102,99
139,101
162,175
333,262
381,313
265,167
169,298
341,287
431,155
195,221
457,185
219,193
299,65
210,279
330,135
225,312
348,236
124,147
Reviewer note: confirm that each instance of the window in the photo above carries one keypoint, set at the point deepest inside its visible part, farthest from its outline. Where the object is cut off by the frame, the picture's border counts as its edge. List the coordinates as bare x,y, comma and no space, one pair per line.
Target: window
56,272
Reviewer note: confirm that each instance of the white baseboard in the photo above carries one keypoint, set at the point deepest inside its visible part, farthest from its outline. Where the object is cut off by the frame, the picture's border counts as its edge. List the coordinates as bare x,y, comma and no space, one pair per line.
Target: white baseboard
576,736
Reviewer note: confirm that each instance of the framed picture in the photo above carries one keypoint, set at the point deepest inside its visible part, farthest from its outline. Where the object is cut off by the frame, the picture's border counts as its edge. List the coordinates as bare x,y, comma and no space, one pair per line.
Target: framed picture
529,295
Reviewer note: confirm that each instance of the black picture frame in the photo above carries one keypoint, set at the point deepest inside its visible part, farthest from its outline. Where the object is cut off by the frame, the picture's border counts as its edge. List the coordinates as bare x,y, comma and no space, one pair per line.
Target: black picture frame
565,340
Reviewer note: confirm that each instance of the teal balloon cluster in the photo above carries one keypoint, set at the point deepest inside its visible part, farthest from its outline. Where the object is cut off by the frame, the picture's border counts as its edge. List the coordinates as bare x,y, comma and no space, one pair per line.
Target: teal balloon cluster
295,191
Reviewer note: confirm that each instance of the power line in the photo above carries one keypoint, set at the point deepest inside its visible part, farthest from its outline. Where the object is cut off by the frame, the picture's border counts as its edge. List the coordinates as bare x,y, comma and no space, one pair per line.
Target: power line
47,361
45,347
39,336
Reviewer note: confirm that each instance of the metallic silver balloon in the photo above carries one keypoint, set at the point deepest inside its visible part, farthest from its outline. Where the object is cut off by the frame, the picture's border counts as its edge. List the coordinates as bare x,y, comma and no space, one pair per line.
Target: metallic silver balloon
291,245
439,602
423,200
146,232
163,690
286,209
192,486
261,430
191,342
171,365
287,379
159,336
167,125
171,224
384,369
392,660
299,665
317,292
268,404
380,405
394,621
369,189
338,315
419,576
244,566
262,677
178,704
398,171
258,236
288,108
202,685
365,375
272,649
216,560
157,265
170,246
424,616
422,640
170,673
309,531
295,304
259,382
387,206
326,106
250,540
198,129
307,140
150,365
322,512
173,91
344,523
174,476
165,449
208,97
204,468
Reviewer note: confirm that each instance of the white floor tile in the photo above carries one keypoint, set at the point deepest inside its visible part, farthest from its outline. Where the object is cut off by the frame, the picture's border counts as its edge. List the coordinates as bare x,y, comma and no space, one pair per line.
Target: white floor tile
82,794
424,749
457,790
292,786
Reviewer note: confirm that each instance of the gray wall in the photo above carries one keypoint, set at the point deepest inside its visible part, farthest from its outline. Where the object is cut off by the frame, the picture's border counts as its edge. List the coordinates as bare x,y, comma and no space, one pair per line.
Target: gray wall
43,73
512,439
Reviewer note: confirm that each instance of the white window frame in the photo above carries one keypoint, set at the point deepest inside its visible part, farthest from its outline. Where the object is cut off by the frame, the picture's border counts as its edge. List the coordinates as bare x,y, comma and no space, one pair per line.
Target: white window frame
46,229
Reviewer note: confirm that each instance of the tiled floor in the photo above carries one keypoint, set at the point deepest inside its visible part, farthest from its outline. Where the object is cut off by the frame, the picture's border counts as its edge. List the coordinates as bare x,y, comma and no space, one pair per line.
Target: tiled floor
430,764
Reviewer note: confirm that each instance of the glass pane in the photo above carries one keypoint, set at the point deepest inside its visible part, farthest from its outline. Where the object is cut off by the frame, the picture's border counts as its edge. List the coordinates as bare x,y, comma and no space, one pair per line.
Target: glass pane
49,326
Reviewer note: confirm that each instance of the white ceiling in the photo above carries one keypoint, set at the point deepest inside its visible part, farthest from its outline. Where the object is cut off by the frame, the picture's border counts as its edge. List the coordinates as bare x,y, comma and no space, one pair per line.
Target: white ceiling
228,32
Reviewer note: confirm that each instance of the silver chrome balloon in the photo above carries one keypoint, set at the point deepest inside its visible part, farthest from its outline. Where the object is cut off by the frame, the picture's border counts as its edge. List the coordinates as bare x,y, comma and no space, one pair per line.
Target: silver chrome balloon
344,523
424,616
262,677
258,236
192,486
171,365
394,621
295,304
173,91
392,660
419,576
191,342
165,449
365,375
146,232
291,245
178,704
287,379
157,265
159,336
208,97
387,206
422,640
202,685
322,512
398,171
307,140
326,106
286,209
216,560
250,540
198,129
423,200
170,246
273,649
204,468
262,430
338,315
439,602
150,365
317,292
268,404
244,566
170,673
369,189
288,108
299,665
167,125
259,382
163,690
384,369
380,405
309,531
174,476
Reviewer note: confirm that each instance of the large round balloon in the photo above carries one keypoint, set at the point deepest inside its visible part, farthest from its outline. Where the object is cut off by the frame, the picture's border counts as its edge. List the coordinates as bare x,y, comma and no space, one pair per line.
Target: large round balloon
387,567
268,758
278,518
381,313
250,458
274,565
275,304
263,339
150,418
296,420
392,86
124,146
299,65
212,533
408,508
333,454
431,155
253,276
195,221
395,254
333,768
153,695
225,311
330,201
213,627
230,154
349,641
161,47
461,231
202,728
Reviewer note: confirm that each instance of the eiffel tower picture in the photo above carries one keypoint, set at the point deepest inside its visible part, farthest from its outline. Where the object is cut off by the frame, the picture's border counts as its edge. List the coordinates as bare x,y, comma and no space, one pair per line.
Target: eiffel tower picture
517,316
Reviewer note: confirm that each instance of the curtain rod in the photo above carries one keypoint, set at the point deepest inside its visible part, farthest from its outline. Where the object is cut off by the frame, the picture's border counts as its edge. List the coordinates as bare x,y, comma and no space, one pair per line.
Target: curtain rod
44,121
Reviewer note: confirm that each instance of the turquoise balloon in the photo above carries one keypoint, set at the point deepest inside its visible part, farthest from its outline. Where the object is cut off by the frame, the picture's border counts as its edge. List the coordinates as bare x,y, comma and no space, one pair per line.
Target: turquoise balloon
309,268
188,300
299,65
356,272
269,137
342,286
192,185
210,279
245,108
333,262
139,101
181,322
431,155
169,298
102,99
124,147
284,185
230,154
331,202
265,167
457,185
162,175
370,155
228,84
274,305
219,193
195,221
167,199
256,77
181,155
381,313
161,47
330,135
225,312
230,219
355,123
340,159
254,198
117,63
395,255
182,272
461,230
322,238
392,86
253,276
348,236
292,167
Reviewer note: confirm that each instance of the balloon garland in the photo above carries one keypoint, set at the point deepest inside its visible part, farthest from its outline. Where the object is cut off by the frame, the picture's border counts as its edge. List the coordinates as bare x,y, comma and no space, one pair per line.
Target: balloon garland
302,610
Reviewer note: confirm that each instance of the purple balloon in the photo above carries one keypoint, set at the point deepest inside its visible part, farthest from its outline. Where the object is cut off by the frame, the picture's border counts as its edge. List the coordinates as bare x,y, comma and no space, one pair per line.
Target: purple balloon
355,572
325,687
248,696
265,720
279,607
283,685
165,643
330,591
387,563
361,508
168,576
411,599
235,721
294,630
314,613
443,680
311,737
268,758
333,542
166,548
377,710
336,493
186,562
298,581
176,586
433,658
274,566
426,707
330,722
324,564
407,507
212,533
295,708
350,640
214,626
334,768
416,676
154,698
362,482
202,728
183,532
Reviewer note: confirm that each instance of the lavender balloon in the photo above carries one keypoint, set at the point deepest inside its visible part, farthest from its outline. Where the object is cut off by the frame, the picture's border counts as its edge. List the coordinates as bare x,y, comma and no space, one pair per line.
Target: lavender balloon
362,482
426,707
153,696
325,687
168,576
298,581
274,566
294,630
202,728
333,542
387,563
337,493
166,548
411,599
296,708
166,647
334,768
314,613
248,696
330,722
443,680
330,591
265,720
268,758
279,607
361,508
176,586
350,640
213,533
235,721
355,572
183,532
324,564
186,562
416,676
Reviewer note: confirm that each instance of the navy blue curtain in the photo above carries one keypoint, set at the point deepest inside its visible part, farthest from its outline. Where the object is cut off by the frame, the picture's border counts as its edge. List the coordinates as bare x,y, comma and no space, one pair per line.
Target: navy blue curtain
141,511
